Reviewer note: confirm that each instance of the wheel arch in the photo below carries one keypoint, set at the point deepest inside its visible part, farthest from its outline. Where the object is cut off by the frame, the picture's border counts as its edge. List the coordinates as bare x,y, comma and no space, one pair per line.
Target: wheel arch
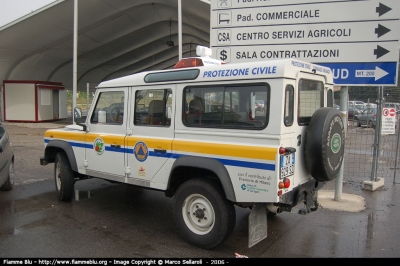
55,146
203,166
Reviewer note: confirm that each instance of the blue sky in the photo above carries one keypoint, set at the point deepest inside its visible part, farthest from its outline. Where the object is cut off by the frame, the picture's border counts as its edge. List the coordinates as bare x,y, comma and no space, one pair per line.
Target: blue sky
11,10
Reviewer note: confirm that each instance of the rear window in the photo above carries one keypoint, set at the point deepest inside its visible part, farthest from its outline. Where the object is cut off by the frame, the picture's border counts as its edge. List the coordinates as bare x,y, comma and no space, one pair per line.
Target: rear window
311,98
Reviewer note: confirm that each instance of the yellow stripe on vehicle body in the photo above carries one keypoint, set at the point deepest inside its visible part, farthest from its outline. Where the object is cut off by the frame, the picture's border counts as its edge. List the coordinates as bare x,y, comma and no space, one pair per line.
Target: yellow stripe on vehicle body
178,146
244,151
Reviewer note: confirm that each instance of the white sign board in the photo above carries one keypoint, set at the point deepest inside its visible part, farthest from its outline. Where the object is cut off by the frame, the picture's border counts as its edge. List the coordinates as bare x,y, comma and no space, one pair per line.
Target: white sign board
388,121
358,40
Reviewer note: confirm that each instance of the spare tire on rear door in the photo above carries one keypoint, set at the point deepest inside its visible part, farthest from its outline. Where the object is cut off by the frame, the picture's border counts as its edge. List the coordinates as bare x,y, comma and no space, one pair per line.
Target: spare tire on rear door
325,139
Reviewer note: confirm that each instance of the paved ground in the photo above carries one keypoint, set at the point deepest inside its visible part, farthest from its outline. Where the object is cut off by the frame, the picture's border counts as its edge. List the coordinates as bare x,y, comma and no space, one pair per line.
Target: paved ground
110,220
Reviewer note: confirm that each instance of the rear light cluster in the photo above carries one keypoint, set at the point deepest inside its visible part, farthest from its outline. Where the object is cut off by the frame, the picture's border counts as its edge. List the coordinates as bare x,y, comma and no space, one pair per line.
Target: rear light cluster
285,183
287,150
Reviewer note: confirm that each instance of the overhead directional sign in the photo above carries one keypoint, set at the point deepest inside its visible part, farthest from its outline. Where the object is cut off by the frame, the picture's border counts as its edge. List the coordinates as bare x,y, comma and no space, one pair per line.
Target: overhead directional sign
358,40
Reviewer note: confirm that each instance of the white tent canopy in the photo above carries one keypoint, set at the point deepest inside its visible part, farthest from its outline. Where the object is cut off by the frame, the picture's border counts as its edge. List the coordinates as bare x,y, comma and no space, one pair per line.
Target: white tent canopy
115,38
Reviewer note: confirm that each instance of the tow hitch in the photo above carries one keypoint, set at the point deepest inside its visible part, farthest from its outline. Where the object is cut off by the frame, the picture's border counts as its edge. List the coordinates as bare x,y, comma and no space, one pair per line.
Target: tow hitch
309,198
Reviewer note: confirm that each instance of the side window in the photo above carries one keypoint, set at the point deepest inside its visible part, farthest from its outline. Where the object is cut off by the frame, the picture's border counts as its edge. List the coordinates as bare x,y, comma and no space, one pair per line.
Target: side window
289,105
310,99
109,108
153,107
329,99
226,106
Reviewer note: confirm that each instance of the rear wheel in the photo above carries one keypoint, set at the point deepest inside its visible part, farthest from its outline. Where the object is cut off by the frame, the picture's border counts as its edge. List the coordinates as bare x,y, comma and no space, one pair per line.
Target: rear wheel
9,184
204,217
370,125
64,177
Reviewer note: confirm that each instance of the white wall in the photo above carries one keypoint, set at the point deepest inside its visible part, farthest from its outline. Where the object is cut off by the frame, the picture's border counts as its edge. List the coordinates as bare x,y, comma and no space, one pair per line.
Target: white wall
19,101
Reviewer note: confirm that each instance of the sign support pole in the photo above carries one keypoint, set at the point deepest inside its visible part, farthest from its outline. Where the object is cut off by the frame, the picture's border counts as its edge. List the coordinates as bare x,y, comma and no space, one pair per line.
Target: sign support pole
74,71
180,28
344,99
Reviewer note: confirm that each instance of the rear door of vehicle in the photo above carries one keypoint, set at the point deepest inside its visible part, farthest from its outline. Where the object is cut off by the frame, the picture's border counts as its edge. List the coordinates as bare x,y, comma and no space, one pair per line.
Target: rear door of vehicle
150,140
309,96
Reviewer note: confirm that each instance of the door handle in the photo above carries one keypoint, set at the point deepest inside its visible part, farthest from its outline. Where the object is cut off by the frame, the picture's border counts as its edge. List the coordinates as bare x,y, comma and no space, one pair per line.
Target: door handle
159,150
115,146
298,140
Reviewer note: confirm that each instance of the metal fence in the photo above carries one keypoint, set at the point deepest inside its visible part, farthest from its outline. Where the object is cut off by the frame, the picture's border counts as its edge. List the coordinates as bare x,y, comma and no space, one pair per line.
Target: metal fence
369,154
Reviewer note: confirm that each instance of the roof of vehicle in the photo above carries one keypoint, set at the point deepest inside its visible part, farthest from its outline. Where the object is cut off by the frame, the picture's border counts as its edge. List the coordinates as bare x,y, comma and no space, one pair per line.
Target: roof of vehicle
284,68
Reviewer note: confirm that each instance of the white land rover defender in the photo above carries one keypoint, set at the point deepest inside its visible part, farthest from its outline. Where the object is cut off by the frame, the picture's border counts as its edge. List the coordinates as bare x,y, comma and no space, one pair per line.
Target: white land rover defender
195,133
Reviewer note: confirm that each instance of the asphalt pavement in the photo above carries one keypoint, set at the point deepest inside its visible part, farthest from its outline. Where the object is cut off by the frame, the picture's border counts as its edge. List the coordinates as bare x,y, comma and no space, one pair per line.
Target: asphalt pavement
116,220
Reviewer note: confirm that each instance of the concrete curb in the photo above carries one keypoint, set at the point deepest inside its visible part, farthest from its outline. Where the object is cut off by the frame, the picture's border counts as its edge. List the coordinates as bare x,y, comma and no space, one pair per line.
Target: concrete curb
348,202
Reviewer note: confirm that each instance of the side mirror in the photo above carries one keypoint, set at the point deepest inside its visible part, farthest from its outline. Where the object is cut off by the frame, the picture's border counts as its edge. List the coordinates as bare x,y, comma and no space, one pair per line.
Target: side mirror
77,114
78,118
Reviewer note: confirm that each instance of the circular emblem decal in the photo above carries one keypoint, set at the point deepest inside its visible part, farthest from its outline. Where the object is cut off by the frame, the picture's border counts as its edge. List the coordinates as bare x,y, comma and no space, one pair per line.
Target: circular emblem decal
141,151
98,146
336,143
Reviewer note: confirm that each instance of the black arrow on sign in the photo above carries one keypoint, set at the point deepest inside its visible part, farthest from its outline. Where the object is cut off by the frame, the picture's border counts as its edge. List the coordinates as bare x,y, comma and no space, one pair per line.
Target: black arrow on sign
380,51
381,30
382,9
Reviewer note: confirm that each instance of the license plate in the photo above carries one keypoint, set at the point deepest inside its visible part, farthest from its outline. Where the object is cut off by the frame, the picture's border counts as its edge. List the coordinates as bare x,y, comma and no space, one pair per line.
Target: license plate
287,165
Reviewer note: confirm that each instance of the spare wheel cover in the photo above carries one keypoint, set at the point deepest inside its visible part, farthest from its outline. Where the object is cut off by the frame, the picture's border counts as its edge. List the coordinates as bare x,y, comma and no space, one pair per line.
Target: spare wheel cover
325,144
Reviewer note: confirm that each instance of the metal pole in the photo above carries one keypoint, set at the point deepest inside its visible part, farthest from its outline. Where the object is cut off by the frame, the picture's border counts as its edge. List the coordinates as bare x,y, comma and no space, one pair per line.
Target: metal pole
87,97
344,100
180,28
397,151
74,72
375,158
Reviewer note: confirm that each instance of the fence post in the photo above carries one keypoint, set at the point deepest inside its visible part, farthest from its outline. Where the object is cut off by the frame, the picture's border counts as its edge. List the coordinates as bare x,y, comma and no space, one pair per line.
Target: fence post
397,151
344,99
378,126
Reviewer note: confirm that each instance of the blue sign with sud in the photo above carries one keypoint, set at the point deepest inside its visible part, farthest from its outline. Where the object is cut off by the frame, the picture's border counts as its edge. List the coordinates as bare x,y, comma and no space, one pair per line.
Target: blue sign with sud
364,74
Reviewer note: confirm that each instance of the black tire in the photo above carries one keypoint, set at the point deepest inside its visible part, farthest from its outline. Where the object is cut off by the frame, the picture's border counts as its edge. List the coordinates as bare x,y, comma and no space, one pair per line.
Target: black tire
9,184
325,141
370,124
64,177
204,217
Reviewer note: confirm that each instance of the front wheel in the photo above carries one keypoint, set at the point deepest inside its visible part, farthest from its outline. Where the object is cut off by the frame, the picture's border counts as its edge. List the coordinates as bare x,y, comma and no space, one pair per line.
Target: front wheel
204,217
64,177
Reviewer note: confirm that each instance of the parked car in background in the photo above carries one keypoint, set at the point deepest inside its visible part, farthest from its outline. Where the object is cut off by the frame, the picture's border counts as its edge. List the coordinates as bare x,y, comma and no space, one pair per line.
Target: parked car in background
355,102
396,106
367,118
353,113
6,161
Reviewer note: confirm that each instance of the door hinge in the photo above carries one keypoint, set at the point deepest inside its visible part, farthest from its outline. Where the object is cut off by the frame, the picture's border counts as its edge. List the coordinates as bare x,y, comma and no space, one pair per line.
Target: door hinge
129,131
85,163
127,170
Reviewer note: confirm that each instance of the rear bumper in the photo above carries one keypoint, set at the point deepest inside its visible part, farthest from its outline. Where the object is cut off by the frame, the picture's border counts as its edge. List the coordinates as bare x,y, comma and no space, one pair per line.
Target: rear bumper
305,193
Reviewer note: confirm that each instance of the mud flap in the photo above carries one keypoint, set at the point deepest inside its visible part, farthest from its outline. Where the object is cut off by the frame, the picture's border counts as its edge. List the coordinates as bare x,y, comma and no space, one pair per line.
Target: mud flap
257,223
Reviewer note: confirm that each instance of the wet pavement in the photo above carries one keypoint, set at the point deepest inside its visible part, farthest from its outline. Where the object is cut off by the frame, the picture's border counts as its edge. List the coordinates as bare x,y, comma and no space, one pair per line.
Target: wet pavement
109,220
